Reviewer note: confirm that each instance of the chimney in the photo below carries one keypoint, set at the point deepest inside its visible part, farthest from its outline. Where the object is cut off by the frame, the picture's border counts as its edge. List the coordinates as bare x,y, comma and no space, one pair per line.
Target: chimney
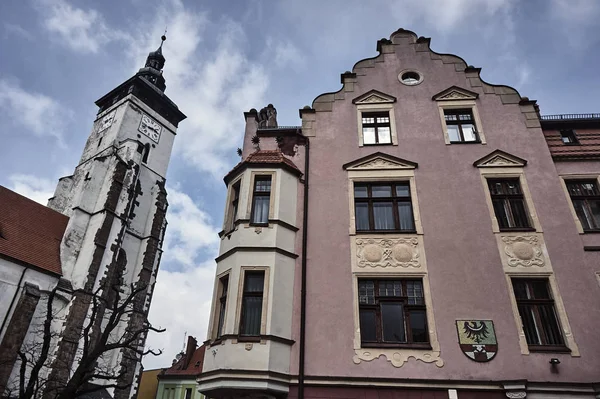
189,351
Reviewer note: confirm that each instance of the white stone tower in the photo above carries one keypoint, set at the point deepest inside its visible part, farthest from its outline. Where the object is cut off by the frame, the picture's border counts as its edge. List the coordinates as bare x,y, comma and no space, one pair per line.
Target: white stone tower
116,201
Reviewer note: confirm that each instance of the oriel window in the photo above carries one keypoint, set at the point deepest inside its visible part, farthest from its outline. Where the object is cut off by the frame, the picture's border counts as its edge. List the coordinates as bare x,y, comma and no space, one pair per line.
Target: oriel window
392,312
233,208
509,204
461,126
261,199
586,201
538,314
376,128
383,207
252,303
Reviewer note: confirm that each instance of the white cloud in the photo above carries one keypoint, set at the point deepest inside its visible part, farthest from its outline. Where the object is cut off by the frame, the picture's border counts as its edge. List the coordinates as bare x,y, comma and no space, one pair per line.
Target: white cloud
284,53
18,30
82,30
575,12
32,187
189,230
212,82
181,303
39,113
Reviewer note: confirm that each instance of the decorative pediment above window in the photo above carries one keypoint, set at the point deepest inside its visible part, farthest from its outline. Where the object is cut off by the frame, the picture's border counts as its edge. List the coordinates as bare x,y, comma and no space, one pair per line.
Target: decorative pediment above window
455,93
374,97
380,161
500,158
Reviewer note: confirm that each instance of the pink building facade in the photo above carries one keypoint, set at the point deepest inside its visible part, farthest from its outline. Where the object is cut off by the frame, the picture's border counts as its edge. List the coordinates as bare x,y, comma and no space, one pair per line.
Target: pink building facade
423,234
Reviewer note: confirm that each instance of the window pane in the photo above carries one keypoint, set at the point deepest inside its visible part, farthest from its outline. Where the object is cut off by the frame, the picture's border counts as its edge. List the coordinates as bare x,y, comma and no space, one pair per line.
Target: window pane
261,209
254,282
584,214
368,135
383,216
414,292
368,120
366,292
402,190
500,213
530,327
392,320
390,288
221,318
262,184
384,135
368,325
361,192
381,191
251,315
383,119
520,288
519,214
450,117
453,133
406,216
550,323
362,216
418,326
469,132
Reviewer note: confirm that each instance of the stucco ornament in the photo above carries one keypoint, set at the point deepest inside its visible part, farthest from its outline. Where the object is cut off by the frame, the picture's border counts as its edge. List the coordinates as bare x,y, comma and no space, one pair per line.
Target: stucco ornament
375,99
455,95
387,252
397,357
379,163
516,395
499,160
523,251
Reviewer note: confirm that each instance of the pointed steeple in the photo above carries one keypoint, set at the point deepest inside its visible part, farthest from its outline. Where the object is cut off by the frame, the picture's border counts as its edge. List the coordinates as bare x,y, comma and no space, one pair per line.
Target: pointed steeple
152,71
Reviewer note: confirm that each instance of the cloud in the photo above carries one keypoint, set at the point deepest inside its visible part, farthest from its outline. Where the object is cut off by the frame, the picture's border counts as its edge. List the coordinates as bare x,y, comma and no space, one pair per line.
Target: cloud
81,30
32,187
40,114
189,230
181,304
284,53
574,17
18,30
212,82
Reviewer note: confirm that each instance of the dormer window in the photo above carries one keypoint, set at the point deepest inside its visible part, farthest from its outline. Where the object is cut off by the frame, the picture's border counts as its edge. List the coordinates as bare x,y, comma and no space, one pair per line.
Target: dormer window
569,137
376,128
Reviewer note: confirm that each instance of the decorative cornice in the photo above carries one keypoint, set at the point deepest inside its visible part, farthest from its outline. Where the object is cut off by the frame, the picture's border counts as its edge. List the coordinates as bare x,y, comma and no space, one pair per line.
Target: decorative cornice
455,93
374,96
499,158
255,249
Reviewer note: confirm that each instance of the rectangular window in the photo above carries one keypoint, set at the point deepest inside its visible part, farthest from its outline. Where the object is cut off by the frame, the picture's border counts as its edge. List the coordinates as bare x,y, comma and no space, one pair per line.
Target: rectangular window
252,302
224,285
261,199
233,206
392,312
383,207
188,393
568,137
461,126
376,128
538,315
509,204
586,201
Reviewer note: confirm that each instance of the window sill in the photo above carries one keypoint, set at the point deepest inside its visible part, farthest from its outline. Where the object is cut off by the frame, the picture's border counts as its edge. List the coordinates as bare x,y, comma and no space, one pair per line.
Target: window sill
381,345
591,231
386,231
248,338
516,229
549,348
376,144
465,142
258,224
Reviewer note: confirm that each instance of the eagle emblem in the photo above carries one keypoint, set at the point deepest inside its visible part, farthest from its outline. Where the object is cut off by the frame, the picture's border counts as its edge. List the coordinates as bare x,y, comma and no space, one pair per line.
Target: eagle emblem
477,339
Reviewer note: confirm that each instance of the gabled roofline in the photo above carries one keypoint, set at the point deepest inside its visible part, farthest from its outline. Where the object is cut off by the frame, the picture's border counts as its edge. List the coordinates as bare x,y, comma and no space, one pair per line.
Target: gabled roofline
379,155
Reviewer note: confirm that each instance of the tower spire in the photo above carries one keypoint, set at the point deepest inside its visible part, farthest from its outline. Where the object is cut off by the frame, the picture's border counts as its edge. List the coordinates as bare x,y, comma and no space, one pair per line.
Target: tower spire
152,70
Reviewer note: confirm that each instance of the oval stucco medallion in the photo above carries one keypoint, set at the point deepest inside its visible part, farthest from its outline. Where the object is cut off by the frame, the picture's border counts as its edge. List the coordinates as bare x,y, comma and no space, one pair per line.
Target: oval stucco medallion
523,250
402,253
372,253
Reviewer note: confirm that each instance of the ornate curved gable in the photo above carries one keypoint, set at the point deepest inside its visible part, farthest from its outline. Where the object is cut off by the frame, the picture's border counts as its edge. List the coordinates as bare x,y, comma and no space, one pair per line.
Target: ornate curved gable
499,158
380,161
374,96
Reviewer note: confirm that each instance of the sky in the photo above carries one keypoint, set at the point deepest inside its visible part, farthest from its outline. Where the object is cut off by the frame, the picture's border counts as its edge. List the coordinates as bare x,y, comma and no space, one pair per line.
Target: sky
225,57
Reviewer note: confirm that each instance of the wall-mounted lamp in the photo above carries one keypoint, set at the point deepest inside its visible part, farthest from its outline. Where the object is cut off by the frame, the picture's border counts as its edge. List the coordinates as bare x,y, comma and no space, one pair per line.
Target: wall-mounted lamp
554,361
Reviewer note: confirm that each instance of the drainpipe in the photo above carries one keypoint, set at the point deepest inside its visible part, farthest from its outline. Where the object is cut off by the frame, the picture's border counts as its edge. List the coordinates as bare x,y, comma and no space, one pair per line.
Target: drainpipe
12,302
303,289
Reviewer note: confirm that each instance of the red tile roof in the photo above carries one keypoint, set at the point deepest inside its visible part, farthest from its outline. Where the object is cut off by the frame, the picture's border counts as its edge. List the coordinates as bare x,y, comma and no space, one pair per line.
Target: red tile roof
264,157
190,368
30,232
587,148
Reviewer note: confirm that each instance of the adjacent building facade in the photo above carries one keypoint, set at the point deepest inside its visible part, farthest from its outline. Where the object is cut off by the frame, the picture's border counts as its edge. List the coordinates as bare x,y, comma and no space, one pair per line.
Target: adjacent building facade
103,229
423,233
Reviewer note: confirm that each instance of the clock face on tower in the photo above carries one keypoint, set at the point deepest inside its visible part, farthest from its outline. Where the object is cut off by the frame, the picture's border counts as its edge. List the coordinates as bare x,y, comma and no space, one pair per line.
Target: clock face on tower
150,128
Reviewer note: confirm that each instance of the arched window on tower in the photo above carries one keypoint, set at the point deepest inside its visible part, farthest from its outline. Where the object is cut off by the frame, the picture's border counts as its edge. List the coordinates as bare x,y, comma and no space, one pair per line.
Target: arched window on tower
145,153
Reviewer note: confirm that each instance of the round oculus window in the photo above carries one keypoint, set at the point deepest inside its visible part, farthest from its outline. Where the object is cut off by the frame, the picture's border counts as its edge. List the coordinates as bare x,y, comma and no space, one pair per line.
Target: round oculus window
410,78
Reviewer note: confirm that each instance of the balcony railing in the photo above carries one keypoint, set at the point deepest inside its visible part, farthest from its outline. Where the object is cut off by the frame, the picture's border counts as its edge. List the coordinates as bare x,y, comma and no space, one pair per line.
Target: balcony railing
280,128
569,117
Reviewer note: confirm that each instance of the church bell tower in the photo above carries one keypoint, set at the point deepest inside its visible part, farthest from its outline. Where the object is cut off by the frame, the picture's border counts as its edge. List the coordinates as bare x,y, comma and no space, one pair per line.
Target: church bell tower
117,202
